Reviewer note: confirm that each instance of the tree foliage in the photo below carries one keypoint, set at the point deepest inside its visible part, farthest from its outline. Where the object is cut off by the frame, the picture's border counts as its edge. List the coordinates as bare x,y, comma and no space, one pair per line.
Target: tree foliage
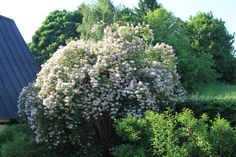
145,6
203,45
137,14
127,15
102,10
169,29
208,35
58,27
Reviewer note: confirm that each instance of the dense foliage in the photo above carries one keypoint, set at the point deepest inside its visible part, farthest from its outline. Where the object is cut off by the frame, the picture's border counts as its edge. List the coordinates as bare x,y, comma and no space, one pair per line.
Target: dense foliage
203,45
208,35
18,140
146,5
86,84
14,133
179,135
225,107
56,30
169,29
212,99
102,11
125,69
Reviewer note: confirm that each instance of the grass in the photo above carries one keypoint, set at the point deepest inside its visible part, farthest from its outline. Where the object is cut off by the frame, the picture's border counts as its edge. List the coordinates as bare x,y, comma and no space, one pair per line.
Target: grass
212,99
215,92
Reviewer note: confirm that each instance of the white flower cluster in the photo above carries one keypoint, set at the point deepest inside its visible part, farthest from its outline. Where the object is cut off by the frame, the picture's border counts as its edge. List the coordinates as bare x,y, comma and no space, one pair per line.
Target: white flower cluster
97,26
29,105
121,74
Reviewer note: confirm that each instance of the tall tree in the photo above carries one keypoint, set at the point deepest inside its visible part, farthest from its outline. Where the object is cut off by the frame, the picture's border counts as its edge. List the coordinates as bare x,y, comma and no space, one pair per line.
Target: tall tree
58,27
208,35
147,5
167,28
102,10
128,15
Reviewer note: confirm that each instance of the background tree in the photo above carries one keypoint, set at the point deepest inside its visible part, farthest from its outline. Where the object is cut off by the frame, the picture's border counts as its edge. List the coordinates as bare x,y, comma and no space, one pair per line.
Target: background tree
169,29
127,15
137,14
208,35
146,5
102,10
58,27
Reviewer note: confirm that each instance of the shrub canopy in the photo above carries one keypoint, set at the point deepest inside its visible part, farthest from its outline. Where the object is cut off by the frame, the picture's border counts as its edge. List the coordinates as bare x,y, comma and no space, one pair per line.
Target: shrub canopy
86,81
179,135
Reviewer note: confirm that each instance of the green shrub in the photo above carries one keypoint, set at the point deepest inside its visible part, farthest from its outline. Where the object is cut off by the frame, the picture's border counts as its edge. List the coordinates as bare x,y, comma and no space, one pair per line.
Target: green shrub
179,135
129,151
193,69
212,99
18,140
225,107
222,136
14,142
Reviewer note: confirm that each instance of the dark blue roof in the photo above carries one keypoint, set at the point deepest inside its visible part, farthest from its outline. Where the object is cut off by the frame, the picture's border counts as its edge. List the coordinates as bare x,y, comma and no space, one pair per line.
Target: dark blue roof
17,67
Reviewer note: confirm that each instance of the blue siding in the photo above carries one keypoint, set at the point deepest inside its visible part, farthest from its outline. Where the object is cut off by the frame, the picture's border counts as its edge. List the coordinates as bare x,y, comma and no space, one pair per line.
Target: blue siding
17,67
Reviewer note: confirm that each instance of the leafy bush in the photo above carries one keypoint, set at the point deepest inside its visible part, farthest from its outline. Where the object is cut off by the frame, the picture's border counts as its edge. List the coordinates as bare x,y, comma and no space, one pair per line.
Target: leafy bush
32,112
212,99
129,151
222,136
18,140
165,134
87,84
225,107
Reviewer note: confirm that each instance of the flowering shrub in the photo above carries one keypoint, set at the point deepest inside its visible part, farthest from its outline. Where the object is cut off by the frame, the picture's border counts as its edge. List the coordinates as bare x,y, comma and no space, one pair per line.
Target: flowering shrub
87,84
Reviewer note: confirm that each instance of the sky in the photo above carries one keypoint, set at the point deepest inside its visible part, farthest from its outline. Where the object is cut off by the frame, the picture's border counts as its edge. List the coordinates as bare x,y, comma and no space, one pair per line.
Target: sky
29,14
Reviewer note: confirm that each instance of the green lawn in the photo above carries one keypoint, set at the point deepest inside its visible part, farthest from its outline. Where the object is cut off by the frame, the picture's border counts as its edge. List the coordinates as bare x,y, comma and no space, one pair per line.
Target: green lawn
215,92
212,99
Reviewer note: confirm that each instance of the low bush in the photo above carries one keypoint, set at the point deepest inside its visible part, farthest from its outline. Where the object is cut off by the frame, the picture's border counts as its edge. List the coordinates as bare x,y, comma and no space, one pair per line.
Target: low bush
212,99
178,135
226,108
18,140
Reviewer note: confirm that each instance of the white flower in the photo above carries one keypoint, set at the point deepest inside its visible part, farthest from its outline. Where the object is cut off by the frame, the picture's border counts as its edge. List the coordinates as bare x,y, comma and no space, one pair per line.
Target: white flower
85,80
